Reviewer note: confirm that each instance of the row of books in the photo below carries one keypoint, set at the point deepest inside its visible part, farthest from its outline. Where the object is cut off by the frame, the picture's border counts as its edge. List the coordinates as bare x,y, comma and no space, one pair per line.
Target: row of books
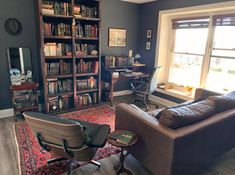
90,83
57,49
86,30
60,29
87,99
112,61
58,103
85,49
87,67
84,11
58,68
61,86
56,8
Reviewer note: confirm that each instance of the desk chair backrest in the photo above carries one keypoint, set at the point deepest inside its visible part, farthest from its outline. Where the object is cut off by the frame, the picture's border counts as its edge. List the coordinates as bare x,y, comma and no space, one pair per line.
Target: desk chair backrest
154,79
55,134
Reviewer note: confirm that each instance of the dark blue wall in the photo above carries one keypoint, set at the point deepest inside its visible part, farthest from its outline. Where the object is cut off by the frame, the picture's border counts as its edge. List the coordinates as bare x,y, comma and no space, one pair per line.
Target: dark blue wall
119,14
24,11
114,13
149,20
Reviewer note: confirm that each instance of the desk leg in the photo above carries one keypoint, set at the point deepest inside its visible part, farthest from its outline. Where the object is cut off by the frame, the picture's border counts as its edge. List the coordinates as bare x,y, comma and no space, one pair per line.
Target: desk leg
111,92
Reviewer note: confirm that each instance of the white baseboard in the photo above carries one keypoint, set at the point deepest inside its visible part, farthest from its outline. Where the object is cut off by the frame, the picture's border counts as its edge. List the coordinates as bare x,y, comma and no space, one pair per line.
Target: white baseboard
161,101
6,113
121,93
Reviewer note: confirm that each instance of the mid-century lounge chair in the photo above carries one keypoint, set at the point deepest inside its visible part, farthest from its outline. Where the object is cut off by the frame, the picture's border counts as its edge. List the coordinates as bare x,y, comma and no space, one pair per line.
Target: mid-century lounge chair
69,139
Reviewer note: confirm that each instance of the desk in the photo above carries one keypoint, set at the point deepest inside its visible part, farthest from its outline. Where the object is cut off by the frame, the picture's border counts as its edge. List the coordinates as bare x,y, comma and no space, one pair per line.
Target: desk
108,76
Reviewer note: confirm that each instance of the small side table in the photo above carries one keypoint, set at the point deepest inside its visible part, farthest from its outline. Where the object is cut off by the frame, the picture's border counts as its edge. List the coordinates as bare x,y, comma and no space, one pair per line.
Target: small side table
121,168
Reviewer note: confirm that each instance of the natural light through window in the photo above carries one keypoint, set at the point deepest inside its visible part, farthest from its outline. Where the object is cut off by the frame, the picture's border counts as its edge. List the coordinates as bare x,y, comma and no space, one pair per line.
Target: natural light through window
189,50
203,44
222,64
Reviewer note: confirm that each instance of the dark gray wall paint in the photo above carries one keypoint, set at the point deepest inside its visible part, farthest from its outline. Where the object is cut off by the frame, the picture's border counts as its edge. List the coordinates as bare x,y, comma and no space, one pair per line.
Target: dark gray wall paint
119,14
149,20
114,14
23,10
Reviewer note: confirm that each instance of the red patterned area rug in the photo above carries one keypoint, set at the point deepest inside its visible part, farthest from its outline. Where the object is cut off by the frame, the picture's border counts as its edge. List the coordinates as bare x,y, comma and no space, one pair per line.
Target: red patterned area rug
33,159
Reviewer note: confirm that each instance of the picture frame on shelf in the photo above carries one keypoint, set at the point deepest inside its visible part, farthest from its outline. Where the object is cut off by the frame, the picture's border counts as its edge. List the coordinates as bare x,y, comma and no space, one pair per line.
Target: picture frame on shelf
148,45
149,34
117,37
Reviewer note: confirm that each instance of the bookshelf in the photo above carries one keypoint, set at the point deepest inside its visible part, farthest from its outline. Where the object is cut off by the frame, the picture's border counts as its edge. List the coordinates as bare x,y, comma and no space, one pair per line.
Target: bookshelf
70,53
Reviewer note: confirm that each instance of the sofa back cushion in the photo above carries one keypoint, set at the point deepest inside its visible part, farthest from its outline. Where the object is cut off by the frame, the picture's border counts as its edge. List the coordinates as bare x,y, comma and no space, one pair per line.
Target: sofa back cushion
224,102
181,116
157,113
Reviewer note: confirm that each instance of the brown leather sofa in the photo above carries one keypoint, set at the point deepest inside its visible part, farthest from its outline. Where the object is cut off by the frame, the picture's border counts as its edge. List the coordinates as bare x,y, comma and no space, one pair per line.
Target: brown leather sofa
182,151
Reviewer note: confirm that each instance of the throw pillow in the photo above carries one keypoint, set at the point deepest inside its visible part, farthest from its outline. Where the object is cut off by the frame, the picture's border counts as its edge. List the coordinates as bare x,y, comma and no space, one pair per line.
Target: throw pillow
181,116
224,102
159,113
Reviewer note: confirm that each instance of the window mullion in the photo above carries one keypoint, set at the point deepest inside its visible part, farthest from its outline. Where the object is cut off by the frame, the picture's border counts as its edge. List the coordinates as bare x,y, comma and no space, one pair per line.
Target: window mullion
206,58
170,55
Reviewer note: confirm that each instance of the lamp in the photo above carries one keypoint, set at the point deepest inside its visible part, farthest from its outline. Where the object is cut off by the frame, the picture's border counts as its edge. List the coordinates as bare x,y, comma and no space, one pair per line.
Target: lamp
137,57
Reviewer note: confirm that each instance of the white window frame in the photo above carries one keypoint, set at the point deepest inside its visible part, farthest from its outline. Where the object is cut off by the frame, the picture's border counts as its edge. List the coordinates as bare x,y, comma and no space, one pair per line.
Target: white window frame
165,43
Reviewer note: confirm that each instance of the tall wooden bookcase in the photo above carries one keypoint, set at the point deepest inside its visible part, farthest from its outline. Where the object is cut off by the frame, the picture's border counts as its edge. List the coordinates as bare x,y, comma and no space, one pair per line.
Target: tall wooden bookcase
70,53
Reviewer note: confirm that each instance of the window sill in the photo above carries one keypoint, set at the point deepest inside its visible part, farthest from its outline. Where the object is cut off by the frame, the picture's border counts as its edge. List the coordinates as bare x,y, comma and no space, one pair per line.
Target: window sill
176,93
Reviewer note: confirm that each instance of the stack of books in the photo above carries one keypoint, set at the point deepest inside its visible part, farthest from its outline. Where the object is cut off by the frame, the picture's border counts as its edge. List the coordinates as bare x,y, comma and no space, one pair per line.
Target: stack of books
56,8
58,68
87,99
112,61
57,49
124,137
57,29
85,49
90,83
89,12
48,8
89,30
61,86
77,11
88,67
58,102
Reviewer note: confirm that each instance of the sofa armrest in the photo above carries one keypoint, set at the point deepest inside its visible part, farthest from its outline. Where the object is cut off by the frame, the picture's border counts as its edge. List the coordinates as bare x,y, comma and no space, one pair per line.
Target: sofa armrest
156,142
204,93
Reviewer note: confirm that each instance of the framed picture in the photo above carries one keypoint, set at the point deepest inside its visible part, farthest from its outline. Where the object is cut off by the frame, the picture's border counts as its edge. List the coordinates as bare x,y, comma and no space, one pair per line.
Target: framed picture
117,37
148,45
149,33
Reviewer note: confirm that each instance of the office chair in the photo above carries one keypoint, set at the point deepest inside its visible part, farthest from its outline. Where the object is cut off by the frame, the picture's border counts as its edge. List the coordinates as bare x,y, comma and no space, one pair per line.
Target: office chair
69,139
142,87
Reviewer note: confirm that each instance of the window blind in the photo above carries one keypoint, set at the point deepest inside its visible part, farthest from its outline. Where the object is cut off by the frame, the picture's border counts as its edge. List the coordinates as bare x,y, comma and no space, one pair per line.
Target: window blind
190,23
224,20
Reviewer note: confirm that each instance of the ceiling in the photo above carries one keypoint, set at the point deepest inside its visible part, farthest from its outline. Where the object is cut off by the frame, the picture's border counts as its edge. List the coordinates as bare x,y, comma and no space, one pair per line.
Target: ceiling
138,1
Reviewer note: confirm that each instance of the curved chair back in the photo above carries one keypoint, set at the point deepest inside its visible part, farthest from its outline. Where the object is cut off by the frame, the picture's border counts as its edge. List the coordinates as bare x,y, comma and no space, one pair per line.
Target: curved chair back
154,79
54,130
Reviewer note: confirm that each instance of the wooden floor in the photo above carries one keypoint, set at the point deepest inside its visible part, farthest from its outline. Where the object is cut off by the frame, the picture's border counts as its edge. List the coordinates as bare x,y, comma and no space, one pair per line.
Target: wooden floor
224,165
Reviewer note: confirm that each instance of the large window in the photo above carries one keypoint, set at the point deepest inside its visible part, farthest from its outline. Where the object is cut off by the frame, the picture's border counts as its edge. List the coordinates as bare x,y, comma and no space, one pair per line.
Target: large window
204,53
221,74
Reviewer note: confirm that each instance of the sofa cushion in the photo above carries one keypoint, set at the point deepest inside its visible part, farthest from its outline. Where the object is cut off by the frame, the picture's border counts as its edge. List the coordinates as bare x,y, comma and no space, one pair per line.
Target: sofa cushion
224,102
158,113
181,116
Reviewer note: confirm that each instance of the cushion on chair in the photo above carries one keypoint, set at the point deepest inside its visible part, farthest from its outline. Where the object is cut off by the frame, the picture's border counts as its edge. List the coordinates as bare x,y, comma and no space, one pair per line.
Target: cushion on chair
181,116
96,134
224,102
